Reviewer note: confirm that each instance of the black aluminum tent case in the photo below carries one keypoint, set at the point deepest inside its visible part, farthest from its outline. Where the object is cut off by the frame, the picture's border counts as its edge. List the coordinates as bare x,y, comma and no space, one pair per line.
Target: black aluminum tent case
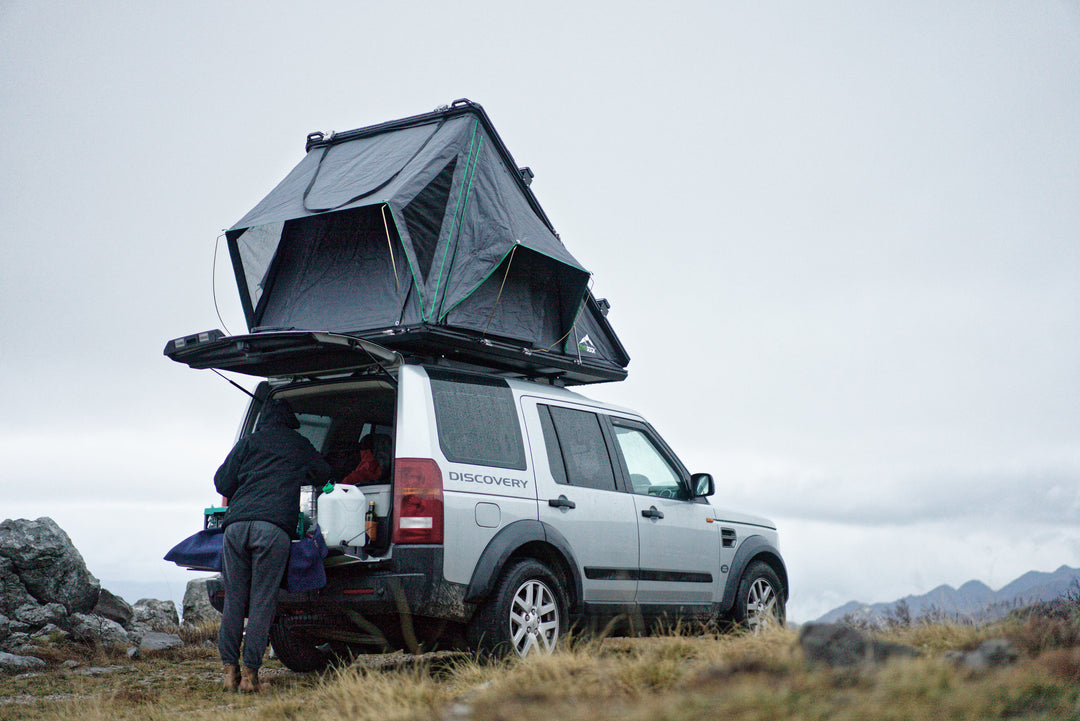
422,235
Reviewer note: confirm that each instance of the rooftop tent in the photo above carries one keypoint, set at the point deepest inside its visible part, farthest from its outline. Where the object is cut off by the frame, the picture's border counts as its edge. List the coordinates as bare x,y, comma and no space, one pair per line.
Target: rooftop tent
412,230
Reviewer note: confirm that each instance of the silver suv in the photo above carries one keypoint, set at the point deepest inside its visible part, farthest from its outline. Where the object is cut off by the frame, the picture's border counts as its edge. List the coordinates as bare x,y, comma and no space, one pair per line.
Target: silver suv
505,510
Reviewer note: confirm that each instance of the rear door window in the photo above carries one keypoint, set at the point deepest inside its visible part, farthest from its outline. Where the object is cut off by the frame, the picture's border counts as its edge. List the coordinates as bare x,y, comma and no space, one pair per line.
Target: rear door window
578,454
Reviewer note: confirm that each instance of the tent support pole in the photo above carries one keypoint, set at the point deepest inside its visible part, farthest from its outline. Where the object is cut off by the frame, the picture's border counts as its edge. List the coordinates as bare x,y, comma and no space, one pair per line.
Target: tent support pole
509,262
390,246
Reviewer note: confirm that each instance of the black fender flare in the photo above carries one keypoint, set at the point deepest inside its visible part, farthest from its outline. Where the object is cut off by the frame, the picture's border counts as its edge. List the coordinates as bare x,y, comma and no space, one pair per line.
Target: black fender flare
502,547
752,548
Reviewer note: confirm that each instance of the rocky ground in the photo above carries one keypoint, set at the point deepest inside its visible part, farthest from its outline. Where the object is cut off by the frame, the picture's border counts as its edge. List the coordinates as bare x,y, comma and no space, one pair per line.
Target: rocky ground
49,597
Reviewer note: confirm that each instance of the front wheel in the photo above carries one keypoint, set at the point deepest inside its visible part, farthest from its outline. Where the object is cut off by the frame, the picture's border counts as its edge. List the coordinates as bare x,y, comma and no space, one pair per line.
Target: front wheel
525,614
760,601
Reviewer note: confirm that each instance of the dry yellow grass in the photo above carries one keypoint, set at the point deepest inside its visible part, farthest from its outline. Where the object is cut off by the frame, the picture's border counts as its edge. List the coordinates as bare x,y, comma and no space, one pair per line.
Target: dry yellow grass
673,677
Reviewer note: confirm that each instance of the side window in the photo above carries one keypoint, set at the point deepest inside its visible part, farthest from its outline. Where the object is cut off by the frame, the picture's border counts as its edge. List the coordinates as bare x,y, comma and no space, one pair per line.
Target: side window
314,428
476,420
650,473
578,453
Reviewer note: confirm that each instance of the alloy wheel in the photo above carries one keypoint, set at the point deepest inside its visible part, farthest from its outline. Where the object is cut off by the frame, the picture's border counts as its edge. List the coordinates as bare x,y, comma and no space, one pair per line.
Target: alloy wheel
534,619
761,606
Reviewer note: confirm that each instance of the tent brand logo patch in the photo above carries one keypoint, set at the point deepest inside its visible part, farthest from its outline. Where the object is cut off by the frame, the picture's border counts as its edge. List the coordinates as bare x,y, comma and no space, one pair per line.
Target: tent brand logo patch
586,344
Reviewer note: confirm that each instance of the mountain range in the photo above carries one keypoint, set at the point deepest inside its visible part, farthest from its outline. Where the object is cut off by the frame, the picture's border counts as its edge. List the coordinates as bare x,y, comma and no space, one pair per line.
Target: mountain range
974,600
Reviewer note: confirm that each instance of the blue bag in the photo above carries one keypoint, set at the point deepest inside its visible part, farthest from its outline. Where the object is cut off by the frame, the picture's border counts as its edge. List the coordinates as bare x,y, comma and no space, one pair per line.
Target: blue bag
200,552
306,571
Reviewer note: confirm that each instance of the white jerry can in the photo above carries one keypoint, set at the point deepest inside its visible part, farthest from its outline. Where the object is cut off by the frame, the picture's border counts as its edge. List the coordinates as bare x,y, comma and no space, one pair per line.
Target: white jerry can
341,516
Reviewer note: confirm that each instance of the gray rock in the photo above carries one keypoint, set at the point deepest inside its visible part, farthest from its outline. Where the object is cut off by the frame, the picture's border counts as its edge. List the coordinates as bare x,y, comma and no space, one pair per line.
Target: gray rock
841,645
48,564
12,662
15,641
50,633
158,615
114,608
35,615
12,591
133,652
32,614
197,608
55,613
17,626
96,670
993,653
97,629
156,641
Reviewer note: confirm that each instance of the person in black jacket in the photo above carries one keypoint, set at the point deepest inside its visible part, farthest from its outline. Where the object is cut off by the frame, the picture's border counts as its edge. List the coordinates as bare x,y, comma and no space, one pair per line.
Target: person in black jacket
261,478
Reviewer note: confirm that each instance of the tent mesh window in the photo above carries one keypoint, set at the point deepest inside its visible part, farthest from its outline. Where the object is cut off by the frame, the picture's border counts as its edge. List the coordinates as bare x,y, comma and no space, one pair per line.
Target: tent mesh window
334,272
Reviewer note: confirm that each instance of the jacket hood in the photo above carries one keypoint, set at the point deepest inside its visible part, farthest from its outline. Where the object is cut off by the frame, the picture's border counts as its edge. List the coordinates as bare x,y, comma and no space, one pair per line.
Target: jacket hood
278,413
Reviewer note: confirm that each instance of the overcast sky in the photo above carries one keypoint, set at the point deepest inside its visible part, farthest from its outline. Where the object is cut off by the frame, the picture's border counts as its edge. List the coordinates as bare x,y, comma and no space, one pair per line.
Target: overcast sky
841,241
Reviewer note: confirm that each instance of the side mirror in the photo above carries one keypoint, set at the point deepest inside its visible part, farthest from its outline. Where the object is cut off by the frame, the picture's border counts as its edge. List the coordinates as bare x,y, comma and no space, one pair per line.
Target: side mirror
702,485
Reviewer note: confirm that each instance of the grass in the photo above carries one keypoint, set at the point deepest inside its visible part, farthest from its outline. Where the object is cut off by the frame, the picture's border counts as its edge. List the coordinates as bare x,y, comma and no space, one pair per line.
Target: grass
680,676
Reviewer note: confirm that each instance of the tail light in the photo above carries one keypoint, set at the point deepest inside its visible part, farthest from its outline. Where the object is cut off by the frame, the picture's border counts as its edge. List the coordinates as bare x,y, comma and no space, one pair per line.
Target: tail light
418,501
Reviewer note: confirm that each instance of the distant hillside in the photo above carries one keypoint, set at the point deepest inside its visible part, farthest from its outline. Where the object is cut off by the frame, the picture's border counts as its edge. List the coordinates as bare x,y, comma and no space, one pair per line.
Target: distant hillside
973,600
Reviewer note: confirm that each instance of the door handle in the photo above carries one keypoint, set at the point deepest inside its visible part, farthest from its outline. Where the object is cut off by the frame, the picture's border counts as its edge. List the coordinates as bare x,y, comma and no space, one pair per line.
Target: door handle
651,512
561,502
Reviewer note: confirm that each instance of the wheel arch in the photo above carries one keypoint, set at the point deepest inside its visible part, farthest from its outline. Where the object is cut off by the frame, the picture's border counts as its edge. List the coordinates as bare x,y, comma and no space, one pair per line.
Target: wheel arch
525,539
753,548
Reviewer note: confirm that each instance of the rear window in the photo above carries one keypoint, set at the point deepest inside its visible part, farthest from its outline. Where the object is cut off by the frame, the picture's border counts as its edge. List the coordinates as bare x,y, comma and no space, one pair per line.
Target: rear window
476,420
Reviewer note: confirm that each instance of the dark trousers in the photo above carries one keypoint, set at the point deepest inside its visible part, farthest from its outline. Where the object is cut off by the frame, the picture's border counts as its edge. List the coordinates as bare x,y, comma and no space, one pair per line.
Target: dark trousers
253,561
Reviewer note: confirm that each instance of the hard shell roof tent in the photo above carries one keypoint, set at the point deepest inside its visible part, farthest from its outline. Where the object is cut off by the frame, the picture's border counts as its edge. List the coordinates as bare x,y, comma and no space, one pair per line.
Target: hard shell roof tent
422,235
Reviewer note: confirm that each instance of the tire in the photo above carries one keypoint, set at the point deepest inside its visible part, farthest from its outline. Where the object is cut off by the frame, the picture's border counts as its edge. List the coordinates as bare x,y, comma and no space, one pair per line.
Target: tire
526,613
760,600
295,647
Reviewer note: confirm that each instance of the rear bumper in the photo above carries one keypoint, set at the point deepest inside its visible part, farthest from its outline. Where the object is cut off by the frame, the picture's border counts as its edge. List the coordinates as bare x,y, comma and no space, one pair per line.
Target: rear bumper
410,583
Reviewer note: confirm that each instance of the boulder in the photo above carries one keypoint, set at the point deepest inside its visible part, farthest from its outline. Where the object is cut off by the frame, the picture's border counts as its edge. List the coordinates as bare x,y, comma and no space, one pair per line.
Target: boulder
48,564
155,641
32,614
5,627
835,644
12,591
197,608
158,615
97,629
11,662
993,653
16,641
114,608
50,633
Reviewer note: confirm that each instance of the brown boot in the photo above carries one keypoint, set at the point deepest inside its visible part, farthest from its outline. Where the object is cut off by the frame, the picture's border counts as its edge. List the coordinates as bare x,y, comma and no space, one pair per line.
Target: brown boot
249,680
230,678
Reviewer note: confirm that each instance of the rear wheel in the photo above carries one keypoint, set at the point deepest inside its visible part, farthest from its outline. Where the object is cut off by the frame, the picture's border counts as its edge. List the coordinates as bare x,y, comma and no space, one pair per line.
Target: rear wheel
760,601
295,646
525,614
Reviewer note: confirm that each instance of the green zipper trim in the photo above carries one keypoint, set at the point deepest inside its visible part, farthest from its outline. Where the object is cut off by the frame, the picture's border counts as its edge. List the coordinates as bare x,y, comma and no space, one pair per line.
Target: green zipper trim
468,194
459,209
482,281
